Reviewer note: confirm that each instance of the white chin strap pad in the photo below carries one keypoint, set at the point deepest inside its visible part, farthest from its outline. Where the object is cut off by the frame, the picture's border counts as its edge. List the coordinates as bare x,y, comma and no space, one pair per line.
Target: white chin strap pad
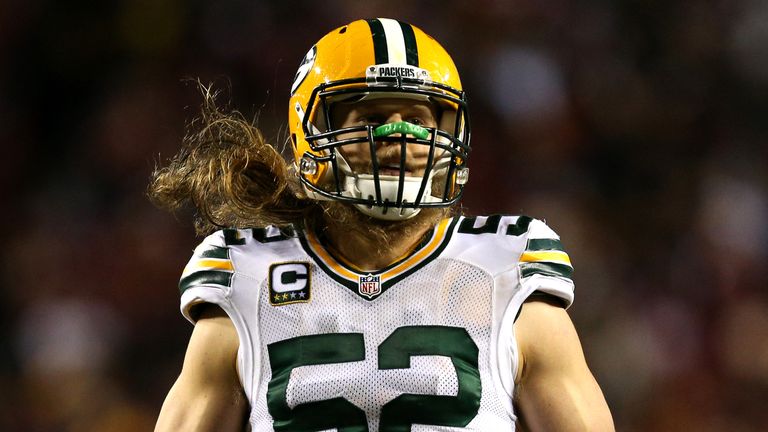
364,186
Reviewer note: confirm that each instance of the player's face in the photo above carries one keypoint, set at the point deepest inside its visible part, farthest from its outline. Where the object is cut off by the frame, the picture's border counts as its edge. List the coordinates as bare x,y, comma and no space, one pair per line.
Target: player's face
375,113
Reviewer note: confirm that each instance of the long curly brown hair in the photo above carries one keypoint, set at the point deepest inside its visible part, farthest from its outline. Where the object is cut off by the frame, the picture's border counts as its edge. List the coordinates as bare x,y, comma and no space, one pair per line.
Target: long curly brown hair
228,174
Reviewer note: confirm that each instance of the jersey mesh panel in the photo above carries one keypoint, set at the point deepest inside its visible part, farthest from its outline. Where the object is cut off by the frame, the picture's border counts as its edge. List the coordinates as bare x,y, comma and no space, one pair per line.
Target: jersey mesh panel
446,292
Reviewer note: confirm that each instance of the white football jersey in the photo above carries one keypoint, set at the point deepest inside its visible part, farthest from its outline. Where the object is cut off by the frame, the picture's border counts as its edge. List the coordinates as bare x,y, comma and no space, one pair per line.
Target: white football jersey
425,344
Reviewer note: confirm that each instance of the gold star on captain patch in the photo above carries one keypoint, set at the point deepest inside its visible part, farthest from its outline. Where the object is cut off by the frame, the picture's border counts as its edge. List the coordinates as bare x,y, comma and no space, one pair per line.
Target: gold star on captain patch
285,296
277,297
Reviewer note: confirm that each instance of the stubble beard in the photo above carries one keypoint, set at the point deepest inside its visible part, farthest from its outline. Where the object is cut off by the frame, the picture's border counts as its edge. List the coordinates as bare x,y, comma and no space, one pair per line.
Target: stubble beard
337,217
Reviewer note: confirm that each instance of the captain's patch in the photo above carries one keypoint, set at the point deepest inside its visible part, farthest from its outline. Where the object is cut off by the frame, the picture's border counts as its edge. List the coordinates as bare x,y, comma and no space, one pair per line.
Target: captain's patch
289,283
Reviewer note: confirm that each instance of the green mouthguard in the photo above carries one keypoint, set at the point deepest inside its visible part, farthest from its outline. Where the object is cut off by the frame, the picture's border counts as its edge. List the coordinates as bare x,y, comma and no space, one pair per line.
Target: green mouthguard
402,127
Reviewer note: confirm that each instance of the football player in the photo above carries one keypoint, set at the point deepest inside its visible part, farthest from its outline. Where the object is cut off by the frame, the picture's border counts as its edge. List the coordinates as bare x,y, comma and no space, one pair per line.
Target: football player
342,293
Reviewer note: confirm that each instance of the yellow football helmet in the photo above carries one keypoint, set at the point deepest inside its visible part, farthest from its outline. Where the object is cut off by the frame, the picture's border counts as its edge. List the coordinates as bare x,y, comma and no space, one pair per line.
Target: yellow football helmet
366,60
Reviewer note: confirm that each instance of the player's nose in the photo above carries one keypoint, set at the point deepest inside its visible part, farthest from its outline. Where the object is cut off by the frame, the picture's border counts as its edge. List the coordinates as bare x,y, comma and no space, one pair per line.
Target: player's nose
394,117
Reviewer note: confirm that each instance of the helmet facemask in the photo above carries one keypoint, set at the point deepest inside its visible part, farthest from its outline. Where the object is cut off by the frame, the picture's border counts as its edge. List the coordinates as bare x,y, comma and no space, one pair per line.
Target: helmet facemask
388,171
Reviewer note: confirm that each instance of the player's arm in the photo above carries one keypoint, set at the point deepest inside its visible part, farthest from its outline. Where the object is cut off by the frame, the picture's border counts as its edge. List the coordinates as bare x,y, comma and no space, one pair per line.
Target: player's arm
207,396
556,390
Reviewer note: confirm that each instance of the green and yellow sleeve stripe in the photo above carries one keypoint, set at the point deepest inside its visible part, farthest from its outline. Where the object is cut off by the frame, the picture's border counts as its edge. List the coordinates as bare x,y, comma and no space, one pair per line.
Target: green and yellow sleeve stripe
209,267
546,257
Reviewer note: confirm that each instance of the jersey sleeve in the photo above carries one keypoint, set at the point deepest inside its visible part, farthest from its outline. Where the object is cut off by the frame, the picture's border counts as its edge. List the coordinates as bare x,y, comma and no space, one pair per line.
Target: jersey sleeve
207,277
544,266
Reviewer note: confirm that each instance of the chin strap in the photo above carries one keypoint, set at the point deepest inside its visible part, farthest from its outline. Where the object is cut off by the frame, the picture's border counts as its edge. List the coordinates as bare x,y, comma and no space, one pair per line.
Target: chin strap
364,186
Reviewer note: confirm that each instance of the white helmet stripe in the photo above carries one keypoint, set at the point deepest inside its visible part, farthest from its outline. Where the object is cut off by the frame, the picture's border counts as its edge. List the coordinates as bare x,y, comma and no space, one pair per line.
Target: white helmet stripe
395,41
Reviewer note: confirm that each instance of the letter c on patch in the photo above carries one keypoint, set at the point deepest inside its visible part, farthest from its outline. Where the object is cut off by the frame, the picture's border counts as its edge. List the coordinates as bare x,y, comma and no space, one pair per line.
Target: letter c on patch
289,277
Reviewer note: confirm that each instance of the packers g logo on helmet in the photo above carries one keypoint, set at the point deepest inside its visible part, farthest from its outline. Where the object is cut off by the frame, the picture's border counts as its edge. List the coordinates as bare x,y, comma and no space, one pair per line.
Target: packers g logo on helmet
364,60
304,68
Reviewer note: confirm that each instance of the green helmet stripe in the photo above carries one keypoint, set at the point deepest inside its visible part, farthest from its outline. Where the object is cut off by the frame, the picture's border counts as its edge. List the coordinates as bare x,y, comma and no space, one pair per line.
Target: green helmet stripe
380,51
411,50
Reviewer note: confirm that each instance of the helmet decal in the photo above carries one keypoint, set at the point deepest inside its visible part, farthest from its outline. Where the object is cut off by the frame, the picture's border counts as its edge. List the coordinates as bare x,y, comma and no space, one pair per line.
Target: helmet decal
304,68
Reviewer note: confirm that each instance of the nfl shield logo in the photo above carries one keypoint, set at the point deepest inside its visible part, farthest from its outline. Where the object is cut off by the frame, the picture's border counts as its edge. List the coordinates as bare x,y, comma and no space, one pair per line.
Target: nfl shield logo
370,285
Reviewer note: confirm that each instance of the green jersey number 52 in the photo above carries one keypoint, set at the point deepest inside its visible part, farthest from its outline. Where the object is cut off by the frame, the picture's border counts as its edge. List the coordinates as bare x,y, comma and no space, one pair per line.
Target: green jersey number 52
395,352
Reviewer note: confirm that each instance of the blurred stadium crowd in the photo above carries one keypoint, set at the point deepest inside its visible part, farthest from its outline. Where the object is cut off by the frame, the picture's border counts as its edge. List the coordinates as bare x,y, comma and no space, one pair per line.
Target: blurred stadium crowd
637,129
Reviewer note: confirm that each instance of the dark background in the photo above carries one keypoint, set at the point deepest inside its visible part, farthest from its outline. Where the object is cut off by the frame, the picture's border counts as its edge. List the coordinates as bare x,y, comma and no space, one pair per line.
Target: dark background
637,129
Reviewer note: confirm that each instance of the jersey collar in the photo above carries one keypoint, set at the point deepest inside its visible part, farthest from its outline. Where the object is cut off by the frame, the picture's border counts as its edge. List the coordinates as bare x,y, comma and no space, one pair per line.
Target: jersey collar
370,285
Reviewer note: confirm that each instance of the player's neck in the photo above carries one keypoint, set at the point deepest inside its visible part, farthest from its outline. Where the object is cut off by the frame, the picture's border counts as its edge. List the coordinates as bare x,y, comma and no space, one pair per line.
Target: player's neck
369,249
366,253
